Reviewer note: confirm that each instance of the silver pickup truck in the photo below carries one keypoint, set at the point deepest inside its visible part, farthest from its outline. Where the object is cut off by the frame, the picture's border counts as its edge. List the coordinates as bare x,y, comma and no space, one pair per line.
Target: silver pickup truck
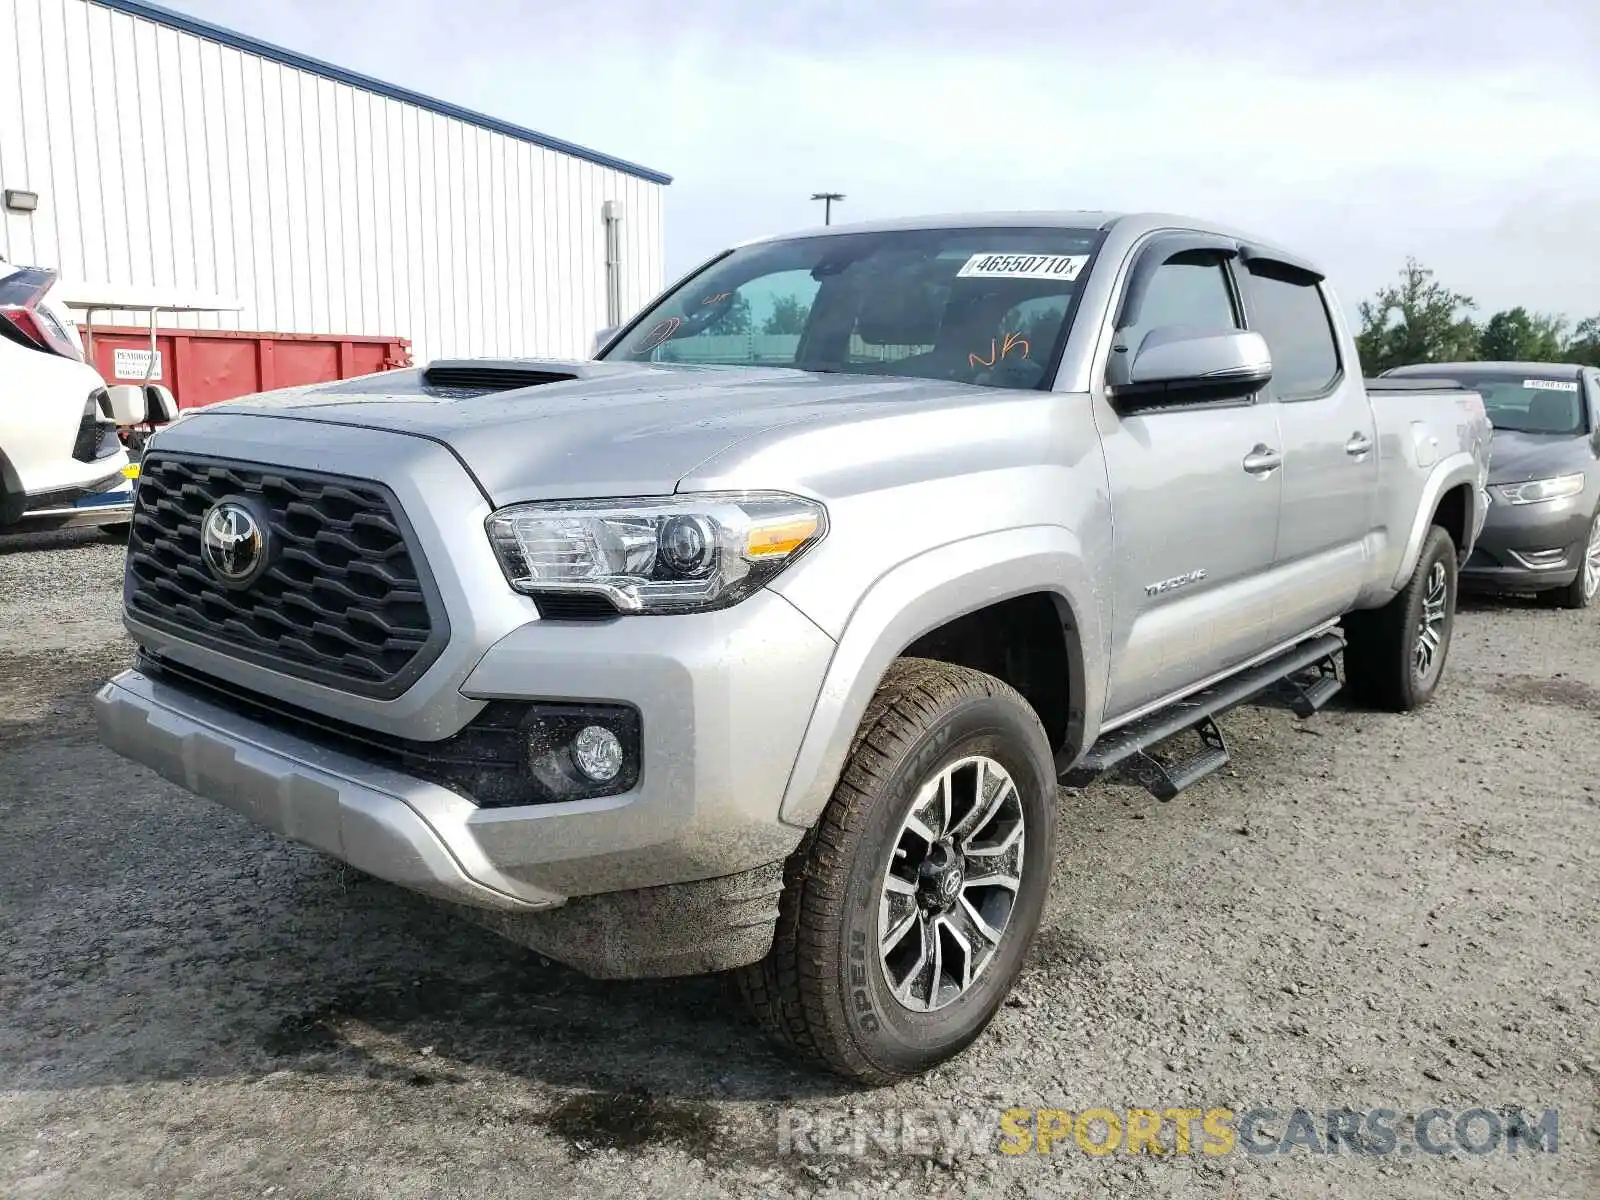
762,640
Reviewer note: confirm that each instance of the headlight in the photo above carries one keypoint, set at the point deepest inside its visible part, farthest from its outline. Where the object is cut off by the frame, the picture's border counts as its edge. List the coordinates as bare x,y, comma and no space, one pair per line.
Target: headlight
674,554
1536,491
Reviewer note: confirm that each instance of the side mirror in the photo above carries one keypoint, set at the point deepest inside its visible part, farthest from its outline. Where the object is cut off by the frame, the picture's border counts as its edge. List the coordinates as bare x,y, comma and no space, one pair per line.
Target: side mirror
1178,359
160,405
128,404
602,337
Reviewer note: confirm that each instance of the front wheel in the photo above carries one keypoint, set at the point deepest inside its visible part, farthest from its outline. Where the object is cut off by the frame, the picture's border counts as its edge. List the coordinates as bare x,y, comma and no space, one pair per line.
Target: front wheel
909,910
1395,655
1583,590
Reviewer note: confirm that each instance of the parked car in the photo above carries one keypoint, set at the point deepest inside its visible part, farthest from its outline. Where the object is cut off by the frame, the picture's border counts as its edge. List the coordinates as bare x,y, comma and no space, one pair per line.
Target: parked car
1542,533
666,667
61,461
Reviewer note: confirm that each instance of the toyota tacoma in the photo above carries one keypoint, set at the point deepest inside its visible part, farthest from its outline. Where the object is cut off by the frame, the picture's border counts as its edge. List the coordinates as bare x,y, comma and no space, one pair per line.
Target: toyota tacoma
761,641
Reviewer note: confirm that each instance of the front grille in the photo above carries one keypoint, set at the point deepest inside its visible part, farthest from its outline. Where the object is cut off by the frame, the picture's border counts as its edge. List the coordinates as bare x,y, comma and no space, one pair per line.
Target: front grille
344,601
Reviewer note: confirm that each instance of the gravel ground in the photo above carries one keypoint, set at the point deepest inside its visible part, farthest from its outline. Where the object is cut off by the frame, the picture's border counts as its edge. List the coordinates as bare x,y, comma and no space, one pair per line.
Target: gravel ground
1365,911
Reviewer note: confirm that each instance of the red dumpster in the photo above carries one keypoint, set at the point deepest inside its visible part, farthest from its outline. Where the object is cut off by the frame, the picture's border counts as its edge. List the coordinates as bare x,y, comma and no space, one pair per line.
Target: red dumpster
202,366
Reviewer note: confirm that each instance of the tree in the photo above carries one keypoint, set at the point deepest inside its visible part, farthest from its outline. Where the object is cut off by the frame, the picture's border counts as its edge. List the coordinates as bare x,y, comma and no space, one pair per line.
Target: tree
1519,336
1419,321
1585,344
788,316
735,320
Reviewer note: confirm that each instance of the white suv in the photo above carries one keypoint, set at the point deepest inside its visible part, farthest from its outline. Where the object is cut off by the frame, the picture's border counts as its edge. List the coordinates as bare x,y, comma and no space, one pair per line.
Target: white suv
61,461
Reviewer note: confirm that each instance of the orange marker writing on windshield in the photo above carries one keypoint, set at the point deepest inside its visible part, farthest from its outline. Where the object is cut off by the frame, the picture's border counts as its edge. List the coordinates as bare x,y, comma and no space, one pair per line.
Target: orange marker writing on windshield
997,351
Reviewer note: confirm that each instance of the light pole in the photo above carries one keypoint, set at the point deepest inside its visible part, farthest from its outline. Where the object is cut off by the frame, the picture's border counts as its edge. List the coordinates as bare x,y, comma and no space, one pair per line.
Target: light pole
827,199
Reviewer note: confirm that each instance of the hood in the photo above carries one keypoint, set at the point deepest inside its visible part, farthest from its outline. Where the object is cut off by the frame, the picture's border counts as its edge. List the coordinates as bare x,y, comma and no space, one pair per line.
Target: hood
1517,457
594,428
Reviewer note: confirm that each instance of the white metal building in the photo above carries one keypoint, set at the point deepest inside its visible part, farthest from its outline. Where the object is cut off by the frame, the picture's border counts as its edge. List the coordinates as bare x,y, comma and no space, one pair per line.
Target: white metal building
143,152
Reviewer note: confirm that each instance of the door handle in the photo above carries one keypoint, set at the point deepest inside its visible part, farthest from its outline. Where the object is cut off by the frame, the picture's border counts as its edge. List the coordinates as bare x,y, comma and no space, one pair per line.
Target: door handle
1358,445
1262,460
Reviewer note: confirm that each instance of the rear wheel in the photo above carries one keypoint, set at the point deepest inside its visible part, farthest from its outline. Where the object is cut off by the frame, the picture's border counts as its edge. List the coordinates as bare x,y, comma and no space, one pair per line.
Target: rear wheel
1395,655
909,910
1583,590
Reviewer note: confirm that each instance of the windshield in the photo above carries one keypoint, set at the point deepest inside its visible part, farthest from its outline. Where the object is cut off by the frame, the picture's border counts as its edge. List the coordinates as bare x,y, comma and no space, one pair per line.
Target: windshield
984,306
1518,402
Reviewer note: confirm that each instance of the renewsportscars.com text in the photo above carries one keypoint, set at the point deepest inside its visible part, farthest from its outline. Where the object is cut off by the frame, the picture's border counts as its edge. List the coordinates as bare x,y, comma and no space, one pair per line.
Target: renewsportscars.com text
1175,1131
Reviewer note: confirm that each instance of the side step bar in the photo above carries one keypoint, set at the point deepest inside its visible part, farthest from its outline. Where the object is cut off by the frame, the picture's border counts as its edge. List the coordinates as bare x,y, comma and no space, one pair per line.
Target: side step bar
1302,679
1306,692
1164,781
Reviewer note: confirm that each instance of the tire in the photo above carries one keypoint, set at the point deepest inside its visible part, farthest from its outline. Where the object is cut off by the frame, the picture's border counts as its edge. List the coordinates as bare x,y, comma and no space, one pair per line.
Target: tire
1585,589
1382,657
825,988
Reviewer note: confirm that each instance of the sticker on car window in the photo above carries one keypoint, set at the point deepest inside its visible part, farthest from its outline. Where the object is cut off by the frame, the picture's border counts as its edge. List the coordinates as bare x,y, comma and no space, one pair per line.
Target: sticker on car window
1551,385
1023,266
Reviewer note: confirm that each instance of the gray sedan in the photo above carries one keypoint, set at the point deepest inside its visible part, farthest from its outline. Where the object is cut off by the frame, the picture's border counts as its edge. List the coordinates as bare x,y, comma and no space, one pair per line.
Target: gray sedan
1543,529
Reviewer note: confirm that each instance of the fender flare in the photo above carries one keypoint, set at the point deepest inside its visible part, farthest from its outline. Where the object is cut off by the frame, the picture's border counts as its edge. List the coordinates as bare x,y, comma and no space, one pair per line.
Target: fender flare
1451,472
921,594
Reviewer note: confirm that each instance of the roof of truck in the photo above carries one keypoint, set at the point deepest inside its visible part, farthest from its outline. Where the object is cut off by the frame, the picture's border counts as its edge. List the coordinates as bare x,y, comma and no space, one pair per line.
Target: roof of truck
1046,218
1065,218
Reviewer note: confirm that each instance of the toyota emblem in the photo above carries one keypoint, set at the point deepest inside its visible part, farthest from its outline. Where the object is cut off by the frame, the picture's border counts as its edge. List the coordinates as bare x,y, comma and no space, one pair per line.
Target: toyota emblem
950,885
233,543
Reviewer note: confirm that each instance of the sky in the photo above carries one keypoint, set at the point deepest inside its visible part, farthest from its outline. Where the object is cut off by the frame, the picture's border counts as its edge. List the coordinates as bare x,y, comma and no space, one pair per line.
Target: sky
1358,132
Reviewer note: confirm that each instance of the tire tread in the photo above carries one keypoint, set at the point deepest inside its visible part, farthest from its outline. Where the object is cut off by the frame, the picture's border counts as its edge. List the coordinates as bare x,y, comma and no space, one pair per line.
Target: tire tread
791,990
1376,664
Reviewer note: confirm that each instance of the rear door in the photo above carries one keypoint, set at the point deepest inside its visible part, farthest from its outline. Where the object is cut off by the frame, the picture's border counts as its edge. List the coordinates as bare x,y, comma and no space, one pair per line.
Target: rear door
1194,494
1330,471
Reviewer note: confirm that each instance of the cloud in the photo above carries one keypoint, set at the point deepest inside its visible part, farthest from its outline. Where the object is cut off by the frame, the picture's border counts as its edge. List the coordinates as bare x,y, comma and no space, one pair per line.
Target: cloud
1357,132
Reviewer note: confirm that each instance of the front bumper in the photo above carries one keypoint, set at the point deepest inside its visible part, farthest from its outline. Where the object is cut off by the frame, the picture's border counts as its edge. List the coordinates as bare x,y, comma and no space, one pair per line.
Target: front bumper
107,501
376,820
1531,547
724,699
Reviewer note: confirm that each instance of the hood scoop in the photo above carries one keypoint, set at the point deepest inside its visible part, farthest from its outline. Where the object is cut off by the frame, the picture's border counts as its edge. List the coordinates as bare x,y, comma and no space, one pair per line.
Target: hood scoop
462,377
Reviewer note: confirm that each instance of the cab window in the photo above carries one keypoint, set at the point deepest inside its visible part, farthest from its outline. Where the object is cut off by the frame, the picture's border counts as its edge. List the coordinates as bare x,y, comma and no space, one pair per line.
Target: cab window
1191,290
1288,309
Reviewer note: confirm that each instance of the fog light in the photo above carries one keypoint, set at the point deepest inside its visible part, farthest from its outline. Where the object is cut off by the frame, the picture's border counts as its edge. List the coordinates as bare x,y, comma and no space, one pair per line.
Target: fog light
597,752
1541,560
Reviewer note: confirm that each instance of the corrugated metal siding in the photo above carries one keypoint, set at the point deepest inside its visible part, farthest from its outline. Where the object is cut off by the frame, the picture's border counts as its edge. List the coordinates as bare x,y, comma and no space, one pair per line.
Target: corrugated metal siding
164,159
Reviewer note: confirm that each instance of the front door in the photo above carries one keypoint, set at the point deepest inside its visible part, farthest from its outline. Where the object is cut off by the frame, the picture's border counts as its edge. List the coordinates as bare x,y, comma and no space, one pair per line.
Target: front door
1194,504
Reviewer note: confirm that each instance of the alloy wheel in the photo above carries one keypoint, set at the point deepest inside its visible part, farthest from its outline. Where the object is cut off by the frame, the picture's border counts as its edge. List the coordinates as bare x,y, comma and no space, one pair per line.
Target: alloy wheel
951,883
1430,626
1591,562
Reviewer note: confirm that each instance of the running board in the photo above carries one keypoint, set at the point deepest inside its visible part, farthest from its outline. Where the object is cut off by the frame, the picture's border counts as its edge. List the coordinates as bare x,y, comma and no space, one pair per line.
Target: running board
1165,780
1287,676
1306,692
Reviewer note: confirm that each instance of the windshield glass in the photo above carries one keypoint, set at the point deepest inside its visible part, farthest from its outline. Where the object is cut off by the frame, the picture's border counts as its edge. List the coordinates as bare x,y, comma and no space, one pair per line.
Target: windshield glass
984,306
1518,402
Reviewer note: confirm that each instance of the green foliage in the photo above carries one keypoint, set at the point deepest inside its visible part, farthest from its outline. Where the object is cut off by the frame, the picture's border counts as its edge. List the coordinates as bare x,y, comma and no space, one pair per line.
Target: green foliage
1518,336
1585,344
1418,321
788,316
